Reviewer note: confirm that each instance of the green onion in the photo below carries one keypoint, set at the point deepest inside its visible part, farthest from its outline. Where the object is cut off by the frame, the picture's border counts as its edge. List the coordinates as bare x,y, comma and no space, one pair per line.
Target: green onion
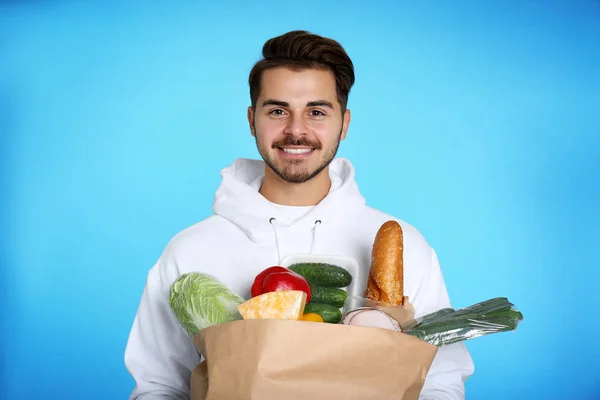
447,326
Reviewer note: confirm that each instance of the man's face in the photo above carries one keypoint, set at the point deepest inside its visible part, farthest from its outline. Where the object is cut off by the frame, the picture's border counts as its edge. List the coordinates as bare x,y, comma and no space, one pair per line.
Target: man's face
298,122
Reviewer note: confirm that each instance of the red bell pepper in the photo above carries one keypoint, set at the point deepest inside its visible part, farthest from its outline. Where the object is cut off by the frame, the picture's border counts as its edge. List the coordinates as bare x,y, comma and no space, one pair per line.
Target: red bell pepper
279,278
258,281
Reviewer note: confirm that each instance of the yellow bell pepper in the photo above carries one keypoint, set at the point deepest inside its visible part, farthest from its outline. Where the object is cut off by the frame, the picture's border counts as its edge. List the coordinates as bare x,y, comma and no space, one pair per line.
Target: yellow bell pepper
312,317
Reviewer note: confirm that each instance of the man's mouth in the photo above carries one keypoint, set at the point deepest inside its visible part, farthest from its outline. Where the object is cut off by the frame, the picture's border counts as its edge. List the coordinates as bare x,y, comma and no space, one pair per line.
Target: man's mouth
296,151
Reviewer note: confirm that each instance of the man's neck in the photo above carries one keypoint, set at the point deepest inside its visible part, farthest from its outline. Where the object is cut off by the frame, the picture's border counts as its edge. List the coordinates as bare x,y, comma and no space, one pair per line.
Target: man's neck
310,193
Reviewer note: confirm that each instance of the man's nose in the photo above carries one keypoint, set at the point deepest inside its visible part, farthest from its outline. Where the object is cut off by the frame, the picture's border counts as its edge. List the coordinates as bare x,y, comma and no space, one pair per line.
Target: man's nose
296,125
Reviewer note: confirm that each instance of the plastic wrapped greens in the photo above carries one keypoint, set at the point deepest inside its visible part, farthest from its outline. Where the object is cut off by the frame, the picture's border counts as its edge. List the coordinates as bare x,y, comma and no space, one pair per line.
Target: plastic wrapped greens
449,326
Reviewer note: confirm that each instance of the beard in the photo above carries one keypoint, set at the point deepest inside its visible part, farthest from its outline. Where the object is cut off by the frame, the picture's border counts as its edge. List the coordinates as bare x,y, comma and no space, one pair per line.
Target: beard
296,171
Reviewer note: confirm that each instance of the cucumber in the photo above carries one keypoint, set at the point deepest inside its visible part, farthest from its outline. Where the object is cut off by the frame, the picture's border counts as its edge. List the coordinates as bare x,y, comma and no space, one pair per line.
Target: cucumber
323,274
324,295
330,314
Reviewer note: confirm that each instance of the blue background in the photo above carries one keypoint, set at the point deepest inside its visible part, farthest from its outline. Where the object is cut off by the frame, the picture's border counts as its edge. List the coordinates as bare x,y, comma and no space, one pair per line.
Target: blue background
476,121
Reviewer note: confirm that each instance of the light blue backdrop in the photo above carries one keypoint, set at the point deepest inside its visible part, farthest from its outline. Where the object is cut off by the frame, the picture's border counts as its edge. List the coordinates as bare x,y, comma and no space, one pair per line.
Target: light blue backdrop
476,121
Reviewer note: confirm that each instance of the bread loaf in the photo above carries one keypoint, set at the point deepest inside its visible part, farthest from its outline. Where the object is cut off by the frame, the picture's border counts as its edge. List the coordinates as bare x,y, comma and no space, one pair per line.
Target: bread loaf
386,275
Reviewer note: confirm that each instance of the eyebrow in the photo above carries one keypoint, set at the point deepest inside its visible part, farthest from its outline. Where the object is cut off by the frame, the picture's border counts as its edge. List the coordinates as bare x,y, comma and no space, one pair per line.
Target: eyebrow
317,103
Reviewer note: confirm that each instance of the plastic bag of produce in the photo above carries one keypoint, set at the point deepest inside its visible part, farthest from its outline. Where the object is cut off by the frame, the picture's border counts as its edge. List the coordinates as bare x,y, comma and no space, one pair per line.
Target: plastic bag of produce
448,326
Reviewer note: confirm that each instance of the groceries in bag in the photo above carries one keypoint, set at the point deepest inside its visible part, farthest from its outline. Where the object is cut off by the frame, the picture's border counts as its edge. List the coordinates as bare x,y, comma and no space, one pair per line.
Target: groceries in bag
315,292
293,334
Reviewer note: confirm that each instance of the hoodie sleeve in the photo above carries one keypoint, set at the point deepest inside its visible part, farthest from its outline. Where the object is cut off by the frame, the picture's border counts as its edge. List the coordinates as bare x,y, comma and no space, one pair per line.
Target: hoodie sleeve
452,365
159,355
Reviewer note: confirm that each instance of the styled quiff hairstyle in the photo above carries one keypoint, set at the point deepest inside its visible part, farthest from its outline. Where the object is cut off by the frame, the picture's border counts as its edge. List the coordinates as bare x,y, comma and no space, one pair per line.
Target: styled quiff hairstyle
299,50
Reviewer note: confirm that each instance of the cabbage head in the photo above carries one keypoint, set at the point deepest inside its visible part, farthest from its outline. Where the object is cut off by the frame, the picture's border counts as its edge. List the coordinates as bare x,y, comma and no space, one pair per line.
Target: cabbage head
200,300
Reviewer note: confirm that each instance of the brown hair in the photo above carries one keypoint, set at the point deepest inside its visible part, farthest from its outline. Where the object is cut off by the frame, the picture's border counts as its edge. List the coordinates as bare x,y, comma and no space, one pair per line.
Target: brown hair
302,50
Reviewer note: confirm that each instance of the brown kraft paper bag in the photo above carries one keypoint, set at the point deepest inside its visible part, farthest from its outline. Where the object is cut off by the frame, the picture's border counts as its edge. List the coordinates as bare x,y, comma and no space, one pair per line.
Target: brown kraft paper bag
296,360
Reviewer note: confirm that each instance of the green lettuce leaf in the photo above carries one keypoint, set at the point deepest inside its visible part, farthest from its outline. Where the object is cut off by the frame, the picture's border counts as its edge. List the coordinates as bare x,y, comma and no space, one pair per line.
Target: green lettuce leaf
200,300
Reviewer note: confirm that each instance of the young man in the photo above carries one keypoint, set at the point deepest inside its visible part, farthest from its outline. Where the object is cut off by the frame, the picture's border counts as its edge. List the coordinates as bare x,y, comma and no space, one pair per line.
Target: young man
299,198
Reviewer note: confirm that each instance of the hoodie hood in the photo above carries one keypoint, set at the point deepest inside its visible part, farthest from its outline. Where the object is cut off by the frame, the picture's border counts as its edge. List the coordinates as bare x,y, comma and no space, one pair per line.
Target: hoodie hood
237,199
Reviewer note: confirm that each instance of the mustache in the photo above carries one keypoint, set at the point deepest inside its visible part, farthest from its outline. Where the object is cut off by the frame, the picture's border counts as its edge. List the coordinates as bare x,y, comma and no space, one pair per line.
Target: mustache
290,141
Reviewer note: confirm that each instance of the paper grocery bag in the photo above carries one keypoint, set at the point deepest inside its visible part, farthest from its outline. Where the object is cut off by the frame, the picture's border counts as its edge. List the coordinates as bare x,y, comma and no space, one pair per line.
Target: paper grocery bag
296,360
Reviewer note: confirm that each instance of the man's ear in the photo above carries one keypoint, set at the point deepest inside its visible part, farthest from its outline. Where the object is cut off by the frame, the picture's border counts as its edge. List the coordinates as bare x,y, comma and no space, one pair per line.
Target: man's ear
251,120
345,124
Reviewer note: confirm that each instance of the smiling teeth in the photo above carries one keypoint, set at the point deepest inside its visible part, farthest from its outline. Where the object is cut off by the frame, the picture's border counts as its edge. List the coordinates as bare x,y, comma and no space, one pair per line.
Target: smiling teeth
297,151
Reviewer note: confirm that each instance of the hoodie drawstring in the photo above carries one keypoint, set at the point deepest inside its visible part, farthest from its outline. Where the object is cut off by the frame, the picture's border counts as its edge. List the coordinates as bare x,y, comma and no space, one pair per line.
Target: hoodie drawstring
276,240
314,238
312,243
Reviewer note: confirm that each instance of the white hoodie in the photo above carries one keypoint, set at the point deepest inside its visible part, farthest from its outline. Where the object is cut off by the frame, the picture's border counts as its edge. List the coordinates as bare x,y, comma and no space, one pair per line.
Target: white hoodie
247,234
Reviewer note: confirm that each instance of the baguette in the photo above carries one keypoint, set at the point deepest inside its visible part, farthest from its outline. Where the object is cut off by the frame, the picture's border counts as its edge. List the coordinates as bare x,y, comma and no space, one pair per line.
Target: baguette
386,275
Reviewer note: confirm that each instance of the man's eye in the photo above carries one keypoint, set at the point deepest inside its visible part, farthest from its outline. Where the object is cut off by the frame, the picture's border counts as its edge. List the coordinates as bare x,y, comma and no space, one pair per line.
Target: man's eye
316,113
276,111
